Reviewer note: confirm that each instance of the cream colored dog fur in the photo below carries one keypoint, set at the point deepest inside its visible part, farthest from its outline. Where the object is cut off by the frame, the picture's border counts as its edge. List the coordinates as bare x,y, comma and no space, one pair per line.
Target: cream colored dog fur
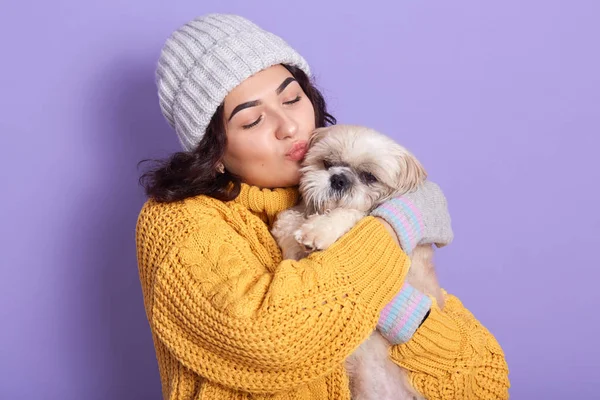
347,172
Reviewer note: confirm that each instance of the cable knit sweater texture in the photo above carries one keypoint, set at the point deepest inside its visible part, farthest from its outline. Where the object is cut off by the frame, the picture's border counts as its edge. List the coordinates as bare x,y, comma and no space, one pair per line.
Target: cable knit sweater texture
231,320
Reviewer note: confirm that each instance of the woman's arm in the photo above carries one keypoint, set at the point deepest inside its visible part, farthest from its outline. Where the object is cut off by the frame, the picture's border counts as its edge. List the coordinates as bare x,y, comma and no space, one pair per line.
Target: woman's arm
242,323
453,356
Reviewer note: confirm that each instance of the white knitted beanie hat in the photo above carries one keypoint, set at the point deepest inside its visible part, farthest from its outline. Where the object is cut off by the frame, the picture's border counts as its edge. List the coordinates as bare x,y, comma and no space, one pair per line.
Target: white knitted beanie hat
204,60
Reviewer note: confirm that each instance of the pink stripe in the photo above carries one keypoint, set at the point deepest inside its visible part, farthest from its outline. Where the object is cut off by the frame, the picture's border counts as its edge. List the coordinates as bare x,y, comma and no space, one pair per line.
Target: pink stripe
403,219
407,314
414,210
386,311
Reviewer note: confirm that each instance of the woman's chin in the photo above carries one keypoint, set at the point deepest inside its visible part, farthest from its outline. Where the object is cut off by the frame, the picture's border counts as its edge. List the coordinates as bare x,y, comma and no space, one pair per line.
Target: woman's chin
279,182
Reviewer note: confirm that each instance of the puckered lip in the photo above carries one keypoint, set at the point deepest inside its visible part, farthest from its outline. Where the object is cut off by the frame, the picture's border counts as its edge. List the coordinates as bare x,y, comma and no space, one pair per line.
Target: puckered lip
297,151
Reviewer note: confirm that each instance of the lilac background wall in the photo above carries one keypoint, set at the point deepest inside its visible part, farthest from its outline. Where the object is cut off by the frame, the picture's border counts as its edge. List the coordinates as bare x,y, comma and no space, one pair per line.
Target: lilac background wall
500,100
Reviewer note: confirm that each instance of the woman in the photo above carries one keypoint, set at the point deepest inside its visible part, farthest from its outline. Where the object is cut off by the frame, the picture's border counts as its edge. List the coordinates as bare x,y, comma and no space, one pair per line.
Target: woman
230,319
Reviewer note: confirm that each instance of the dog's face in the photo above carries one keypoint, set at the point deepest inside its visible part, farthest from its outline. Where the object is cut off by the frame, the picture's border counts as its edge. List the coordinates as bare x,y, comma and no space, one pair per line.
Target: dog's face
355,167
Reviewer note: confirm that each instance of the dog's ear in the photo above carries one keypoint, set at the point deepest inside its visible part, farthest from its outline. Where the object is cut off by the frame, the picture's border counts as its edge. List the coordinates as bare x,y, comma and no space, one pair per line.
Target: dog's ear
410,173
317,135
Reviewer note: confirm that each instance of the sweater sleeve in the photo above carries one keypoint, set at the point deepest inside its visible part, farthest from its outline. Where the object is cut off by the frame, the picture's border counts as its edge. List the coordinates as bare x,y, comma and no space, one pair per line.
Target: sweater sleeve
229,316
453,356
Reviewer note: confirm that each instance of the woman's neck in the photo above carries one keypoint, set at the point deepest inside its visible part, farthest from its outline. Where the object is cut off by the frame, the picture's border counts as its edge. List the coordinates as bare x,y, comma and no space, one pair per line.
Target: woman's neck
267,201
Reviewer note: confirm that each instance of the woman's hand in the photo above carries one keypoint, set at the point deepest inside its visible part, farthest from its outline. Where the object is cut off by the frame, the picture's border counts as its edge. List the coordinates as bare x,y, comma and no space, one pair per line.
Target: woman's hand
419,217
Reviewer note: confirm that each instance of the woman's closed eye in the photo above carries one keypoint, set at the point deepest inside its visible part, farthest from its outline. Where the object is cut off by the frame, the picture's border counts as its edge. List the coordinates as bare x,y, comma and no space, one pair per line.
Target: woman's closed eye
295,100
257,121
252,124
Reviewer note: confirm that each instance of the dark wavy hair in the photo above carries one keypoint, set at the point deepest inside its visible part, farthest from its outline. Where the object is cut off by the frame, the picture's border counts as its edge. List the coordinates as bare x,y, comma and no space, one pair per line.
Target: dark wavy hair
188,174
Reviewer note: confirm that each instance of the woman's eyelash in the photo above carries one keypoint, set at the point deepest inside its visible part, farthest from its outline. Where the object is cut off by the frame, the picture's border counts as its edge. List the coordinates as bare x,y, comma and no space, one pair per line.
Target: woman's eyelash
297,99
252,124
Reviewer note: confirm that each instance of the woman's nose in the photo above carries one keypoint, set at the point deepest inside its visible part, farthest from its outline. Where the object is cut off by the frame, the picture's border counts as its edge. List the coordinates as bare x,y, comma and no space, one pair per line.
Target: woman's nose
287,127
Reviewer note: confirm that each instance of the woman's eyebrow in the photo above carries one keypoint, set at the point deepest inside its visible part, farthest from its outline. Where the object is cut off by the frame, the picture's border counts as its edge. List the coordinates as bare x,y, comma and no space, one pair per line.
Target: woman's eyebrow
284,84
255,103
242,106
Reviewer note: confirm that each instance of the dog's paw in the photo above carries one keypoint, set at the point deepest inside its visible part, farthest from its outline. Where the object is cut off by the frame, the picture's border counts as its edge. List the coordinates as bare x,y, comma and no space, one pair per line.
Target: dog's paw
316,233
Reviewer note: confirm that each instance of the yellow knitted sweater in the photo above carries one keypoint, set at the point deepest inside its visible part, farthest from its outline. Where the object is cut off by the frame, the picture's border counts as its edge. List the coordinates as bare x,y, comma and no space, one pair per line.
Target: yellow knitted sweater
231,320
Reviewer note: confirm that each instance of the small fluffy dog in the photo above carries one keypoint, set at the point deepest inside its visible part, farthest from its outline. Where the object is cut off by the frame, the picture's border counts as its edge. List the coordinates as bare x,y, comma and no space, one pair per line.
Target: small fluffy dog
347,172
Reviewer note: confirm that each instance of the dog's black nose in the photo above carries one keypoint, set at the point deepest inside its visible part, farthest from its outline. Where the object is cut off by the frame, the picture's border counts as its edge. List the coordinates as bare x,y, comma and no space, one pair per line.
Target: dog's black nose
339,182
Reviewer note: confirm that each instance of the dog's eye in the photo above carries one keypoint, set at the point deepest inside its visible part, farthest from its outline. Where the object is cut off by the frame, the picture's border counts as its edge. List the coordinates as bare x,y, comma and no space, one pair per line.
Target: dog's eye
327,164
368,177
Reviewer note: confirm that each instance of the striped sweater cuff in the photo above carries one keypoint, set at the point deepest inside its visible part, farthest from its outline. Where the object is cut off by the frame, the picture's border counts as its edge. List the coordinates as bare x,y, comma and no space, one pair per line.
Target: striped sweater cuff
405,218
402,316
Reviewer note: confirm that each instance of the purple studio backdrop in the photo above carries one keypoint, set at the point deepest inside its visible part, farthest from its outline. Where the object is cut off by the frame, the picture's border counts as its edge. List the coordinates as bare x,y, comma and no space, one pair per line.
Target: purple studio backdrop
500,100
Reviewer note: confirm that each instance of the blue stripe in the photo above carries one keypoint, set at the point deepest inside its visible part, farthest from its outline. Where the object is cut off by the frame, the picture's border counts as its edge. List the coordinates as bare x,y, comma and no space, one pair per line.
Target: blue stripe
398,304
410,214
413,322
396,224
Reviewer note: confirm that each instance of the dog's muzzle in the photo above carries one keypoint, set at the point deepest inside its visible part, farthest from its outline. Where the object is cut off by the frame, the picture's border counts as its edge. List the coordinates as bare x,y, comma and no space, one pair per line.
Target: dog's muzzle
339,182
